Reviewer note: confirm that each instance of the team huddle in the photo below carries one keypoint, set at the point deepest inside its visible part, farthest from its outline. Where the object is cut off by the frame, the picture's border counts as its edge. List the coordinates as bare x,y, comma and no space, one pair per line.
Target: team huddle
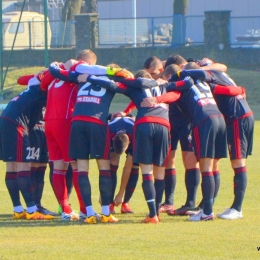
63,118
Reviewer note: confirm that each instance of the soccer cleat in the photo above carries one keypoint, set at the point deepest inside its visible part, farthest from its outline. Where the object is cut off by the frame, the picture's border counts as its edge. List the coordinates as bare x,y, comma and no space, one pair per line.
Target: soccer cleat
38,216
83,216
69,217
19,215
152,220
231,214
108,219
183,211
164,208
91,220
45,211
125,208
112,208
201,217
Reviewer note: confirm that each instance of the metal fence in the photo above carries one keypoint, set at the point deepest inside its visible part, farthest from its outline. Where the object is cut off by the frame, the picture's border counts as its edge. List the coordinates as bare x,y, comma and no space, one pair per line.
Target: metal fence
159,31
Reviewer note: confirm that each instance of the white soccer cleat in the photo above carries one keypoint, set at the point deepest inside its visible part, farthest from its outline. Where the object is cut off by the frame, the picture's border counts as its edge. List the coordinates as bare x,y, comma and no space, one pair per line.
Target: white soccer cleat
69,217
82,216
231,214
201,217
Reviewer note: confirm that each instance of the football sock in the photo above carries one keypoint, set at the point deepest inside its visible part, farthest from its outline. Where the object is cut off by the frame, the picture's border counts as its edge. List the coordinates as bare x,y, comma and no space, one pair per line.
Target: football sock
240,183
18,209
159,188
131,184
105,210
113,170
33,179
149,193
69,180
192,180
51,173
77,189
170,183
25,186
31,209
13,188
39,184
216,176
90,211
85,187
208,187
60,189
105,186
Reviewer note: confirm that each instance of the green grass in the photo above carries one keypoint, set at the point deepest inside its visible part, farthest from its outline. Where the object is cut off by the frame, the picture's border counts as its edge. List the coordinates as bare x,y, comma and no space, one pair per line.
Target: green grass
173,238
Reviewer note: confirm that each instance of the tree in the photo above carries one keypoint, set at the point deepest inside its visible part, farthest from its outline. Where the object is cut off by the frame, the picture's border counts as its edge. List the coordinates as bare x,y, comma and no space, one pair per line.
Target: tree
179,22
91,6
71,8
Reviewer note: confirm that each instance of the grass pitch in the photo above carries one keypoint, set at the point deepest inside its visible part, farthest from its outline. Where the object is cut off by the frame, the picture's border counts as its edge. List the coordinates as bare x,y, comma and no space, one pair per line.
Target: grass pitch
173,238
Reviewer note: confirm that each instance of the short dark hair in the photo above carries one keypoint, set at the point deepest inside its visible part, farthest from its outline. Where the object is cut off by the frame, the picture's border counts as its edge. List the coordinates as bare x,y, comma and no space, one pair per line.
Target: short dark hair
171,70
175,59
120,143
191,66
151,62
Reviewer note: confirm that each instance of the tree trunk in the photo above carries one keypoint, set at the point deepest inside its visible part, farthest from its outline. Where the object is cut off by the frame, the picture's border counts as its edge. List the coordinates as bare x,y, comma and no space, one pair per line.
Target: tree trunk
90,6
179,21
71,8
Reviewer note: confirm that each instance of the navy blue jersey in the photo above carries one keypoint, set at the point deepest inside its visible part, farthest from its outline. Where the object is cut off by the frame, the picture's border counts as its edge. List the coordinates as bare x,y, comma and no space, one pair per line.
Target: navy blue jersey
232,107
196,101
121,123
137,90
26,109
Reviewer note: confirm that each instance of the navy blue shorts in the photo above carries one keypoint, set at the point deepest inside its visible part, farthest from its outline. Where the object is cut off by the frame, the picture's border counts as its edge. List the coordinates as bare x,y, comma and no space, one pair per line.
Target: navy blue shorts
240,137
209,138
14,141
151,144
89,141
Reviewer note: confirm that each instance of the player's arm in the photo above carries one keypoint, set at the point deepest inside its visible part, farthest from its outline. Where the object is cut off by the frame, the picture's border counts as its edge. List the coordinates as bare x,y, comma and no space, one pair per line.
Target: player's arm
59,73
23,80
165,98
227,90
208,64
181,85
197,74
124,180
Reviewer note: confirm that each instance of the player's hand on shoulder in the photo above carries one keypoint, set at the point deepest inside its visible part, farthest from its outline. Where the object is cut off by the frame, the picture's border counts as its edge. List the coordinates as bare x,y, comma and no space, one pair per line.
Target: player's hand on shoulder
82,77
118,114
149,102
205,62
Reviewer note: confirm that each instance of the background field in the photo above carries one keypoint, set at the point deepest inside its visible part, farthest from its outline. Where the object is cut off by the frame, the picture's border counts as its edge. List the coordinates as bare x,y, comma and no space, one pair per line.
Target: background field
173,238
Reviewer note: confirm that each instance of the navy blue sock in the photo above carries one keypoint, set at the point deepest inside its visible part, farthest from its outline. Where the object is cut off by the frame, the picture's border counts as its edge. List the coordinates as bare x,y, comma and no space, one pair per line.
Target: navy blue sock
192,180
240,183
149,193
170,184
85,187
25,186
159,188
33,179
131,184
69,180
113,172
216,176
105,186
51,173
39,184
208,188
12,186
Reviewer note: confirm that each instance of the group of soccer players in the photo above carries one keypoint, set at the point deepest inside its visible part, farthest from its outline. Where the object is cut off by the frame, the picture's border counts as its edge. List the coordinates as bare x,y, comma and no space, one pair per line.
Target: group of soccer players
194,102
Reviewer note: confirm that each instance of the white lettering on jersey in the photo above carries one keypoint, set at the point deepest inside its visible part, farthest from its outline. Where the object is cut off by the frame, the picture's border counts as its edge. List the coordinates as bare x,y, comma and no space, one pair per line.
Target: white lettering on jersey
87,99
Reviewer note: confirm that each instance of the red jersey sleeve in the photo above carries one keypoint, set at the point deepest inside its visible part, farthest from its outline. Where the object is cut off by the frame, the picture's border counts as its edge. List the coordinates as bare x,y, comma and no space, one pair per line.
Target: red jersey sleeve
131,106
228,90
168,97
23,80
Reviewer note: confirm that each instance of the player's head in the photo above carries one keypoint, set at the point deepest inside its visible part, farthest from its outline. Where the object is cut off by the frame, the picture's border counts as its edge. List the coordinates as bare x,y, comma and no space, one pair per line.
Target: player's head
143,74
191,66
154,66
170,70
175,59
113,65
88,56
120,142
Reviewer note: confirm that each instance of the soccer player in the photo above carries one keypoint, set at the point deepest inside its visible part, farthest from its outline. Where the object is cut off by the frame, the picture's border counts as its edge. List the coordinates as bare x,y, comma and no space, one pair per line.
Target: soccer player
151,135
121,134
89,125
61,100
240,125
18,118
